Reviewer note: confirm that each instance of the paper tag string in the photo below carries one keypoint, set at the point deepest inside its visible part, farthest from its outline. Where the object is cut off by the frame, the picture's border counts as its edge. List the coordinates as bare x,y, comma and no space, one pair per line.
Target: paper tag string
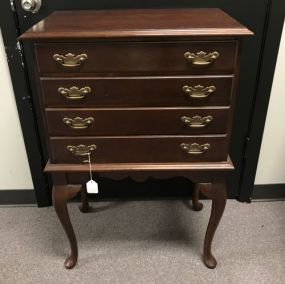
90,169
91,185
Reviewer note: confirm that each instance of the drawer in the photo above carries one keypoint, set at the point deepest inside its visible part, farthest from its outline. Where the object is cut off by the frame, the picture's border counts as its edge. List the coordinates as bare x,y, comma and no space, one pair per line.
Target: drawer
217,57
139,149
139,121
137,91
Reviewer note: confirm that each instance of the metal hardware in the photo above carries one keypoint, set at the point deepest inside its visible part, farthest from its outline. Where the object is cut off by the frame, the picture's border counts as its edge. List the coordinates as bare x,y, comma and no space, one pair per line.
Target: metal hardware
74,93
201,58
196,121
198,92
81,150
78,122
32,6
69,59
195,148
12,4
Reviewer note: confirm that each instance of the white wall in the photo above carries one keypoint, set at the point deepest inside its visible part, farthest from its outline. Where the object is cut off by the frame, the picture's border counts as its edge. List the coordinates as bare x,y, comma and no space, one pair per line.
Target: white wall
271,164
14,167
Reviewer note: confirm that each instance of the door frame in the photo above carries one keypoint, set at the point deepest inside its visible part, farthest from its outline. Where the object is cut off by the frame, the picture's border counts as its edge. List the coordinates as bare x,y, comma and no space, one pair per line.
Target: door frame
19,77
268,57
20,82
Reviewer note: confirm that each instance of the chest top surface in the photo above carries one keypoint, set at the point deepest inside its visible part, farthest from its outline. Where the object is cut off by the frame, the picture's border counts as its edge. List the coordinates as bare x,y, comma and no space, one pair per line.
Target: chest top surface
136,23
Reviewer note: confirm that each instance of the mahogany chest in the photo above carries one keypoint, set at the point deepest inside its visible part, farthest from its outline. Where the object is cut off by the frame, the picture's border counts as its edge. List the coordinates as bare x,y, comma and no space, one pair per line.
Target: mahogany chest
142,93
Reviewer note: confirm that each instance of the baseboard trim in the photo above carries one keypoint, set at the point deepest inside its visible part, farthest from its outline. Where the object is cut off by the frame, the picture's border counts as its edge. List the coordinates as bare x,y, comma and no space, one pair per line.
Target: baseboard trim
22,196
27,196
269,191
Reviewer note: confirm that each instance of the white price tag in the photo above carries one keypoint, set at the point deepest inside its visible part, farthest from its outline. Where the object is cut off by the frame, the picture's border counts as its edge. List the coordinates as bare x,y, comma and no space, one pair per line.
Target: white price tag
92,186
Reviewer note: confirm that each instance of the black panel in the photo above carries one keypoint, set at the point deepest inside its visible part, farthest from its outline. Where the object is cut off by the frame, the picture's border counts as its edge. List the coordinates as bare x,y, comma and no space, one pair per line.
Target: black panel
272,35
241,10
269,191
25,108
16,197
253,14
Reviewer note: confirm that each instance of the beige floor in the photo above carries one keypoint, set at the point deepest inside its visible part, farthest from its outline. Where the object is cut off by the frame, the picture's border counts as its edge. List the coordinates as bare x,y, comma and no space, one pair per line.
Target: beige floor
144,242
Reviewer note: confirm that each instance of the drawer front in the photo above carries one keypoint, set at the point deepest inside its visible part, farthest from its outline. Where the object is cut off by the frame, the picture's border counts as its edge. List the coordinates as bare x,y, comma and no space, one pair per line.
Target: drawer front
144,149
137,57
137,91
94,122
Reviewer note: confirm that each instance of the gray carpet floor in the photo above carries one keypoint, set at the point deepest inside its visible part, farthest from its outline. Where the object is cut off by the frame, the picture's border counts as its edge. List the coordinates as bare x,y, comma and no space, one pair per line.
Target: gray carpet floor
144,242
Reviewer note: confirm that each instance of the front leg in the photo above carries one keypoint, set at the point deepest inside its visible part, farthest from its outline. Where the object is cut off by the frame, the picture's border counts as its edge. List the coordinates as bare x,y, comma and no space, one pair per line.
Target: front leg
60,195
217,192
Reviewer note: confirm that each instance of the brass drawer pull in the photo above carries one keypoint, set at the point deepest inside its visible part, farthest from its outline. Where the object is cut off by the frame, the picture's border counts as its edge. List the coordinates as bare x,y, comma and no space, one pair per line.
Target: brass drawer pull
196,121
69,59
81,150
195,148
78,122
201,58
198,91
74,93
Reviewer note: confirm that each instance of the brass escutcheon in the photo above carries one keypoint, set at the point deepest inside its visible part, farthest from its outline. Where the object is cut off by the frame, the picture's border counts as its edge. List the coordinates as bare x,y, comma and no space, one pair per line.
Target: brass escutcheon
70,60
81,150
74,93
198,91
197,121
78,122
201,58
195,148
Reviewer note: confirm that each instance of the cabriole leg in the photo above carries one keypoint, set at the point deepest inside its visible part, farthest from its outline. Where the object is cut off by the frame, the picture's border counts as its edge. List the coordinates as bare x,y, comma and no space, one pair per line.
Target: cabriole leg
60,195
196,205
216,192
84,206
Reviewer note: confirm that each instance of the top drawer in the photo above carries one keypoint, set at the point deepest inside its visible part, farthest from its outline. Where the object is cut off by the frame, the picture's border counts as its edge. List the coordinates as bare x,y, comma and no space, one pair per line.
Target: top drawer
193,57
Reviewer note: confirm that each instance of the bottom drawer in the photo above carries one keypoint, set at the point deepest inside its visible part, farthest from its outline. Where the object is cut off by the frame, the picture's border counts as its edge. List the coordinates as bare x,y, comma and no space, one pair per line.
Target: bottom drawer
139,149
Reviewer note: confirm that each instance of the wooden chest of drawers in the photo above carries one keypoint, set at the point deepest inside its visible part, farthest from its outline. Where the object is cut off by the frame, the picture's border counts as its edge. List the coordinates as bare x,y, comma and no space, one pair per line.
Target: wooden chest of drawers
143,93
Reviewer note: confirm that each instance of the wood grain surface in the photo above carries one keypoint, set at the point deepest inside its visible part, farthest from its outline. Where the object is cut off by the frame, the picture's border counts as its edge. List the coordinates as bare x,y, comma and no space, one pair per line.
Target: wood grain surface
139,58
137,22
143,91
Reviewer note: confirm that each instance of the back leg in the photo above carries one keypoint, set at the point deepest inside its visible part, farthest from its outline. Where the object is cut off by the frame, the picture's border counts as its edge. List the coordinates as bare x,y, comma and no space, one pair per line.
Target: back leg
84,206
196,205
